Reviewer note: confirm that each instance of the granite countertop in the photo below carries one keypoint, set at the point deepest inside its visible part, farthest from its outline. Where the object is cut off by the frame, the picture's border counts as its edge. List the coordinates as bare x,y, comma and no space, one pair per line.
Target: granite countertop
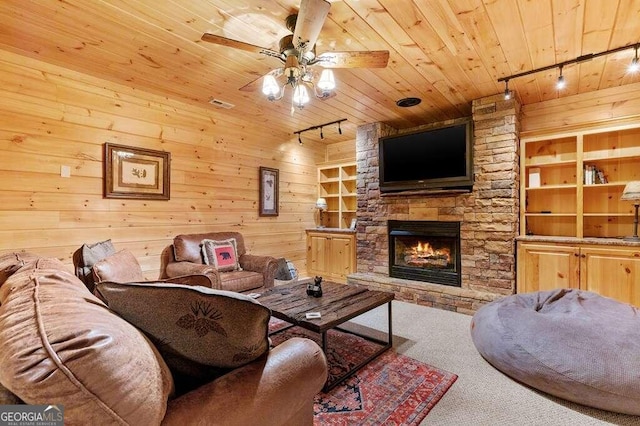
574,240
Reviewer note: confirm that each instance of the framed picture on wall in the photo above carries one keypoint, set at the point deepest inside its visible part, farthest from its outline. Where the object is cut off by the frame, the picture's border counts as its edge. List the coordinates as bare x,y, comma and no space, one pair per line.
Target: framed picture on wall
268,191
136,173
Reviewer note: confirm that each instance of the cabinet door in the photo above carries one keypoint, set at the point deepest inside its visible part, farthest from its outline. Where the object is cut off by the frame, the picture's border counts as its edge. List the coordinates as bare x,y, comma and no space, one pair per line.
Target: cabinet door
317,249
612,272
547,267
340,255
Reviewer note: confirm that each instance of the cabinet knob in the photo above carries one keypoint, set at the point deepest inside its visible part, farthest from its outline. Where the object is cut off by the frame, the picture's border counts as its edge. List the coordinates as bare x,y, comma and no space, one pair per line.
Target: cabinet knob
583,256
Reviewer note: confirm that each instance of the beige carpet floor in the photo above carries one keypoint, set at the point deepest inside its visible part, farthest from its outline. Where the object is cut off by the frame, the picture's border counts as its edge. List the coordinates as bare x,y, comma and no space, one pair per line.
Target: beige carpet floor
482,395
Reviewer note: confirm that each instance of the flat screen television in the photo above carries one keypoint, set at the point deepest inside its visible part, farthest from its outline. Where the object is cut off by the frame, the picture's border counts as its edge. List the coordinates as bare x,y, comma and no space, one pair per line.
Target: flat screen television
435,159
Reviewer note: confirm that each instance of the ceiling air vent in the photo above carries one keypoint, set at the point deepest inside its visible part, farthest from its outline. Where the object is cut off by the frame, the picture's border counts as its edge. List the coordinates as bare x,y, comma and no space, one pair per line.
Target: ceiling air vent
221,104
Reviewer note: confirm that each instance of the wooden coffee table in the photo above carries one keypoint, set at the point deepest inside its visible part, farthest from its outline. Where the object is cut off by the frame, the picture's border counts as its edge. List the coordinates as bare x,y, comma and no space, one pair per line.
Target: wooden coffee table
339,303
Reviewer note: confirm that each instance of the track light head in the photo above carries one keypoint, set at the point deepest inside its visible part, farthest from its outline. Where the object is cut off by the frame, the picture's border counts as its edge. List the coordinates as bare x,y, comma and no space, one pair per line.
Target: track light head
339,129
321,134
299,140
634,66
561,84
507,92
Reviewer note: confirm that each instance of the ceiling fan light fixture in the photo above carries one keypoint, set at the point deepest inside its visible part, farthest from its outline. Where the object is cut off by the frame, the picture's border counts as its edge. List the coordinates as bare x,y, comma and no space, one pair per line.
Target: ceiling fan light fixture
300,96
292,68
270,87
327,81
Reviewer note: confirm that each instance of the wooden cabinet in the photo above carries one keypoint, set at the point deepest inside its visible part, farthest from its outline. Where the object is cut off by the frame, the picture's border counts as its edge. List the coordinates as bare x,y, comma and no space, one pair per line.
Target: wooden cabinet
610,270
543,267
558,196
337,184
331,254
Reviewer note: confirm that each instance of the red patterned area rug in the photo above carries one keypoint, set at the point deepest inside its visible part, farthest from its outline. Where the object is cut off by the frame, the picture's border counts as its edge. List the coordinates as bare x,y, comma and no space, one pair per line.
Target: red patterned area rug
393,389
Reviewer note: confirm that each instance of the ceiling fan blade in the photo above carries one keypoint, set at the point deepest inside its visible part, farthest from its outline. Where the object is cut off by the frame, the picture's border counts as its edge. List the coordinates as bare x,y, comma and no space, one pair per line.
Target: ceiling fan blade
309,23
223,41
254,85
362,59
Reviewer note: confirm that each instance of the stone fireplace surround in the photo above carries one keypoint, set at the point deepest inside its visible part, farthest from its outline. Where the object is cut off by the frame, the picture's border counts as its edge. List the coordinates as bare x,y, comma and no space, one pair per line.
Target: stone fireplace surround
488,214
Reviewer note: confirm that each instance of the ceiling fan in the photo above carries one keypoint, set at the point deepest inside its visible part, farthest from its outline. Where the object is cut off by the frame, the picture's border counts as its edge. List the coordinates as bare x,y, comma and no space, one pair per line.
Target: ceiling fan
298,54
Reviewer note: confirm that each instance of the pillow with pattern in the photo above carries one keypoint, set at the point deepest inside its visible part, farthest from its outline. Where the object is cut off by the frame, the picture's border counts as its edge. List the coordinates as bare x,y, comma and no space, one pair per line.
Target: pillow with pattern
221,254
193,326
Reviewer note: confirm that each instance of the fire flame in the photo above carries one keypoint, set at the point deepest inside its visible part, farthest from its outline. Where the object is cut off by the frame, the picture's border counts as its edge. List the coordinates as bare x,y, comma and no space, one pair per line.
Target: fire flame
425,250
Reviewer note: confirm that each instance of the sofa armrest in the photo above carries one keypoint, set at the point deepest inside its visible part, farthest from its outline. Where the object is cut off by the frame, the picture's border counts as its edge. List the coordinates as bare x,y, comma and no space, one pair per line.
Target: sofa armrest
196,279
178,269
266,265
277,389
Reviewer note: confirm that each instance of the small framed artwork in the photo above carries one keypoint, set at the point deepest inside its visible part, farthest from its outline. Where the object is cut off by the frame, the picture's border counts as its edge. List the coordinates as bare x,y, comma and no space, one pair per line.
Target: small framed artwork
268,192
354,221
136,173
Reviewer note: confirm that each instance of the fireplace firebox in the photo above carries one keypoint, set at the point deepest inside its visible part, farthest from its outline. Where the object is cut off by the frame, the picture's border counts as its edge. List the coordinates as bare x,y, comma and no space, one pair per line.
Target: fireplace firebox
424,250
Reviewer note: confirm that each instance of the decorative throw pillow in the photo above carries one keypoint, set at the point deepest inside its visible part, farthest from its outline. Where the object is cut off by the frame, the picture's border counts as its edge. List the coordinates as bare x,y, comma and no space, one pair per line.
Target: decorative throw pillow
121,267
222,254
193,325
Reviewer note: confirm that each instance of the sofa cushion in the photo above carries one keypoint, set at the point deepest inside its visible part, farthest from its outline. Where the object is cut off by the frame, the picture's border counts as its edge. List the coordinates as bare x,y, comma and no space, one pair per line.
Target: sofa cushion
120,267
223,255
241,280
62,345
188,247
193,324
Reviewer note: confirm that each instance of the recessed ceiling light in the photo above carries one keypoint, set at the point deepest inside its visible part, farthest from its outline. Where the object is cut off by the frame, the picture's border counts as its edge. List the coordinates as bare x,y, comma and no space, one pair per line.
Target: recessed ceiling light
408,102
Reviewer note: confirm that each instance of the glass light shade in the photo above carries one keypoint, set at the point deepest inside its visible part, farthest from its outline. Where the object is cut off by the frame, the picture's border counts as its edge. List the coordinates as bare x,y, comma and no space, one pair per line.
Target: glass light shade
327,82
321,204
300,95
270,86
631,192
634,66
561,84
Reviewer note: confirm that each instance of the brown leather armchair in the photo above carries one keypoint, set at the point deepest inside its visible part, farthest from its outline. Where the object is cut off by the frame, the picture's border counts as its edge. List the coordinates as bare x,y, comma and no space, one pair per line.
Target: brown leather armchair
61,345
184,257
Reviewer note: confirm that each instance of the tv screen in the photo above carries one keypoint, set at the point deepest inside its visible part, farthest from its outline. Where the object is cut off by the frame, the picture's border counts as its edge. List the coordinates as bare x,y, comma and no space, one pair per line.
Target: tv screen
437,158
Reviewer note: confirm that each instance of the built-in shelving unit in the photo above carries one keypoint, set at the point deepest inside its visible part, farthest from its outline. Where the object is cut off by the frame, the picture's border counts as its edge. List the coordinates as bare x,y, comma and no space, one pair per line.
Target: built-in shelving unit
337,184
564,201
571,215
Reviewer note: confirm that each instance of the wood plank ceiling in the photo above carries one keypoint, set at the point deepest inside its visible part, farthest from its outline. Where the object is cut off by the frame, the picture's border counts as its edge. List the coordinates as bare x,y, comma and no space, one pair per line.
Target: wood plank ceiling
446,52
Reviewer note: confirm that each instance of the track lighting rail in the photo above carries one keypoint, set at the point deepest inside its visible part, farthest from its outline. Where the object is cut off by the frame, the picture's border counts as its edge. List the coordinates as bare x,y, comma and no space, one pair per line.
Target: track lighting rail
319,126
561,82
577,60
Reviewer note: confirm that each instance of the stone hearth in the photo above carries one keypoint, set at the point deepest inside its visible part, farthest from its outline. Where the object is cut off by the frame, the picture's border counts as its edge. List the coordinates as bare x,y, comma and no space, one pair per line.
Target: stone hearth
488,215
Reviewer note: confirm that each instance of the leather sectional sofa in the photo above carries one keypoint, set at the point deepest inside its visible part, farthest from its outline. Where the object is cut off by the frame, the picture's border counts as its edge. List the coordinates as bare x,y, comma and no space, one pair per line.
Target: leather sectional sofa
62,345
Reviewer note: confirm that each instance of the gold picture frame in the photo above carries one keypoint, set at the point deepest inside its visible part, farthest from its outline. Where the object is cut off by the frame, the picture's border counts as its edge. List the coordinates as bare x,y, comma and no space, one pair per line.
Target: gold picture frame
136,173
269,200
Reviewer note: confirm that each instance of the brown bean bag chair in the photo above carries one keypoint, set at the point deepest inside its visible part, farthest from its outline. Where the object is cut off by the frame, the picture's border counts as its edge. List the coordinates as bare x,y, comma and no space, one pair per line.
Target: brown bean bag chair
572,344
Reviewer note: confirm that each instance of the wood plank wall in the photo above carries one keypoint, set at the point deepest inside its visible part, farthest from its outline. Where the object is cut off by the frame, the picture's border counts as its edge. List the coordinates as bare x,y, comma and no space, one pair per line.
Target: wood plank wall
51,116
593,109
341,151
